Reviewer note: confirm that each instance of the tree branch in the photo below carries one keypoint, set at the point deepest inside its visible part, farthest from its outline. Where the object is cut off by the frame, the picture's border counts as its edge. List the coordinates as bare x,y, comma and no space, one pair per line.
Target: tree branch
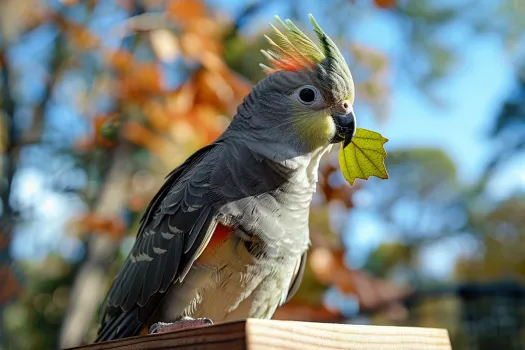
90,282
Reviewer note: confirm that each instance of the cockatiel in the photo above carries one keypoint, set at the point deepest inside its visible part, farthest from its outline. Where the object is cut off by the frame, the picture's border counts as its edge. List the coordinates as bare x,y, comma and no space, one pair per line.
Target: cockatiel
226,236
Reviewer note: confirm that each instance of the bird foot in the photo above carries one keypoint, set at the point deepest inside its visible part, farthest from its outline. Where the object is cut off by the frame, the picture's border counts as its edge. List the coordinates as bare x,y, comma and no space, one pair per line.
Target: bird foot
183,323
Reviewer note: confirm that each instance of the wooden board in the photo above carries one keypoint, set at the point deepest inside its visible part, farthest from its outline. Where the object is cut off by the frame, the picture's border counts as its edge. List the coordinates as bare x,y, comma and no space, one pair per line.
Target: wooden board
254,334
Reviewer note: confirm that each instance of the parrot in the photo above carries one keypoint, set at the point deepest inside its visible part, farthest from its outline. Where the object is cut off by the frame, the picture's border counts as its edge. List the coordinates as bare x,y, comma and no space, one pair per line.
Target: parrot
226,236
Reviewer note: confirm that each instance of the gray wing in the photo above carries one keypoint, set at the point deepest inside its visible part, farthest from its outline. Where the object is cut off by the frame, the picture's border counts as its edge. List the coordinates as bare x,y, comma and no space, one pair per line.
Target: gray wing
176,227
178,218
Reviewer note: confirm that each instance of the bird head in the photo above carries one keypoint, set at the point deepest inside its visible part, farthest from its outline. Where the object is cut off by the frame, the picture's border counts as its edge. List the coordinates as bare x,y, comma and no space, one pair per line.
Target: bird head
307,96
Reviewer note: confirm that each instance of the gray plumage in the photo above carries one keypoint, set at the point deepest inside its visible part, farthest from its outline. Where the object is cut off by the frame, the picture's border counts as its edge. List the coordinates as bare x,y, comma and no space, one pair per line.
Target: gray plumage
258,178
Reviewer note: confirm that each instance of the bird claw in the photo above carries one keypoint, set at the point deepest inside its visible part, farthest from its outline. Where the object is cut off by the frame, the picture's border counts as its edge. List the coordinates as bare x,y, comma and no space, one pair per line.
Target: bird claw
184,323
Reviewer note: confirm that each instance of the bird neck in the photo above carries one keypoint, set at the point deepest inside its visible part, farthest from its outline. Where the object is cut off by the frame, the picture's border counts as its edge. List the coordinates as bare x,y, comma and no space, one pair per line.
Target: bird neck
306,167
298,168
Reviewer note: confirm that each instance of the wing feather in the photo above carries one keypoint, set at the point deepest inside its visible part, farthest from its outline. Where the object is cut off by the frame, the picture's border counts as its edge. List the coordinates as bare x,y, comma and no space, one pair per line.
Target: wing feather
173,260
296,282
176,220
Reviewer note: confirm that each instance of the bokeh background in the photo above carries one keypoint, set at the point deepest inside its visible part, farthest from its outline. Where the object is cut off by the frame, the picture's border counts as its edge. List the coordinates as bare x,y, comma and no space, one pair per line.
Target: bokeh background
99,100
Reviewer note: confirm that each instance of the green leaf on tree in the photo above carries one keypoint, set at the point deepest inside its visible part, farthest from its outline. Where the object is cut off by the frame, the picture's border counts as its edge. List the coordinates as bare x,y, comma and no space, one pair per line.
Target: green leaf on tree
109,130
364,156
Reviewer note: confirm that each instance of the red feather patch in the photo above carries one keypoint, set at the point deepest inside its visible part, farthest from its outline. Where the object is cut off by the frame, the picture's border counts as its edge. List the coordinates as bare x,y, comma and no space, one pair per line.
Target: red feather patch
219,236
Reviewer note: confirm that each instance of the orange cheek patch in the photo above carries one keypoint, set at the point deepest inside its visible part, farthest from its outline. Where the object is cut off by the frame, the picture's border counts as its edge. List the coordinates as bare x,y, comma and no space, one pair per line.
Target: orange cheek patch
219,236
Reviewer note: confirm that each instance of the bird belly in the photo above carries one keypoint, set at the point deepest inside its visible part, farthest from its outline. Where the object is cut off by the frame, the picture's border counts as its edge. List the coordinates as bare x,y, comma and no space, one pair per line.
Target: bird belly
230,284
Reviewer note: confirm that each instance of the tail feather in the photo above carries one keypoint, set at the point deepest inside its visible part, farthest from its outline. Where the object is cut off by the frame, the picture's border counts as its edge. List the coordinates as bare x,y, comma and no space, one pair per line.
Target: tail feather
122,325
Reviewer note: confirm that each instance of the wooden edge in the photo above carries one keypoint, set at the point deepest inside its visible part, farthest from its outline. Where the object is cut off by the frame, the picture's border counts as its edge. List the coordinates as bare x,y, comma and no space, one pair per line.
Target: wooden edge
231,335
254,334
269,334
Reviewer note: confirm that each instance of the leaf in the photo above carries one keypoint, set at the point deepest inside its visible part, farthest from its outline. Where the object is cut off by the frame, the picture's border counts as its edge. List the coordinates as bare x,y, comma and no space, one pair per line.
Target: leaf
80,36
144,137
10,285
385,4
109,225
109,129
364,156
186,11
145,80
105,130
121,61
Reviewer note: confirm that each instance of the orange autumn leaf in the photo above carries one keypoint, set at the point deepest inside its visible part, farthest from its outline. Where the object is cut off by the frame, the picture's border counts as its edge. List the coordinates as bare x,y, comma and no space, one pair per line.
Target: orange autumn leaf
385,4
211,89
185,11
137,203
183,131
307,313
182,100
343,192
208,121
214,89
212,61
146,79
157,115
112,226
142,136
221,88
79,35
121,61
69,2
83,39
127,5
201,47
10,286
329,268
202,41
137,81
212,135
4,240
240,85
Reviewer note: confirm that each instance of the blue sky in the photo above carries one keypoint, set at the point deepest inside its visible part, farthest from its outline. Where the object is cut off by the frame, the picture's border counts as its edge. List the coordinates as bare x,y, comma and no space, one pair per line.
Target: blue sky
473,94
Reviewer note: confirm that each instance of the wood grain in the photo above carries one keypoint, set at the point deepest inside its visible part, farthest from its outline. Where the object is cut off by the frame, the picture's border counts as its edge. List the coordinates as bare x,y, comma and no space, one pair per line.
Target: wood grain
254,334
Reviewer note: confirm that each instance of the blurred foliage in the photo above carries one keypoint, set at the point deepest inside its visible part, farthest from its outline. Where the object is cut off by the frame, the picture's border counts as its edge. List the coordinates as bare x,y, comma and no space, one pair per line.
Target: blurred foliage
502,232
99,100
42,305
421,204
508,131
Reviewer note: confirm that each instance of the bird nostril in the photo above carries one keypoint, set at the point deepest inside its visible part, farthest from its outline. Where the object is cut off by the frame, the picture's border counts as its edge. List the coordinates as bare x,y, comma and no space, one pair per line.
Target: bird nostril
346,105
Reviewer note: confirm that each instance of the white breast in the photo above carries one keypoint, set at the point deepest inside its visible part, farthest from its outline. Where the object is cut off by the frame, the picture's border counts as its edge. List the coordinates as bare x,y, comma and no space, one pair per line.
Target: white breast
230,285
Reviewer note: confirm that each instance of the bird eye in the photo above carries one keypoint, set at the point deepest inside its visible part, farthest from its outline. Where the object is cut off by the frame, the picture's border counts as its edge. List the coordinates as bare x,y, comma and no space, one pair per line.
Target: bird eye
307,94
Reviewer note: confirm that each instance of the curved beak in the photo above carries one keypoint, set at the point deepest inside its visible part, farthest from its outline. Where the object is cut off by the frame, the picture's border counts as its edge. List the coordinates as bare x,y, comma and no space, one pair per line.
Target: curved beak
345,125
